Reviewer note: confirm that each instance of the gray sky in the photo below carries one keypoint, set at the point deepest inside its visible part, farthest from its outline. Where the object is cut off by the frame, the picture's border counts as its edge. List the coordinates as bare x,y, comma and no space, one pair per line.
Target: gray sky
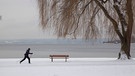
20,20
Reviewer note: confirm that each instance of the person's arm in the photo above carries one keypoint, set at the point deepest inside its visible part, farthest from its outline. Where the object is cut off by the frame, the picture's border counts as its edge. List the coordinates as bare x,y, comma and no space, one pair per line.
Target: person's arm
30,53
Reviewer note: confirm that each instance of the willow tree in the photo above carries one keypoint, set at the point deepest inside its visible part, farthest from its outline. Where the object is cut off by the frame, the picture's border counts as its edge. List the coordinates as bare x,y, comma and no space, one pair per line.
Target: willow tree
90,19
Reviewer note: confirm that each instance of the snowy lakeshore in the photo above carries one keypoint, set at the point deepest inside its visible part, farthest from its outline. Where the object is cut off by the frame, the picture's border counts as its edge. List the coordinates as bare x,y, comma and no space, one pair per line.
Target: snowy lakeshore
74,67
84,60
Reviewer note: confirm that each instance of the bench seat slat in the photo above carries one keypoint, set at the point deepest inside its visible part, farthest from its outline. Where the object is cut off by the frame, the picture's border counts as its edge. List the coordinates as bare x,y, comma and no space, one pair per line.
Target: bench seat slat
59,56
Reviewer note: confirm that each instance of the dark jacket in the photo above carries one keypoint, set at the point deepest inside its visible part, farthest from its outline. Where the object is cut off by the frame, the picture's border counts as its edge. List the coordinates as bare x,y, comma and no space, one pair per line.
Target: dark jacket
28,52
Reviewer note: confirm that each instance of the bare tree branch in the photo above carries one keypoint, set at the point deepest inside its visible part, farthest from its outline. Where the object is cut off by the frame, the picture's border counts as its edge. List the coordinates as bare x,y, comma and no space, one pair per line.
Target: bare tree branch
110,18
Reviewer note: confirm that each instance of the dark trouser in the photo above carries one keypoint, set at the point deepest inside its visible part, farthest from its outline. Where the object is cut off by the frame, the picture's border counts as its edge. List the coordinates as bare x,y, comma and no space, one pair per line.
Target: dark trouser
25,58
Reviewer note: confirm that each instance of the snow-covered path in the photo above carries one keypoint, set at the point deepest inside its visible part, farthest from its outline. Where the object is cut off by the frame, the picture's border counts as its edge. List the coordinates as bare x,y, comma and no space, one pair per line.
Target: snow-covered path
74,67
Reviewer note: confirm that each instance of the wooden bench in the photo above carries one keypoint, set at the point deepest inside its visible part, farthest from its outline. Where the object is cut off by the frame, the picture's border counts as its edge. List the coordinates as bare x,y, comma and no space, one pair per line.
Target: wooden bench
59,56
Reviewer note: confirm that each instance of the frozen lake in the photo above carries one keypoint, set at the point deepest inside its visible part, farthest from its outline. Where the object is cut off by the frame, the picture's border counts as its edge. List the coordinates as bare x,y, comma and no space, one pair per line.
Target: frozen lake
106,50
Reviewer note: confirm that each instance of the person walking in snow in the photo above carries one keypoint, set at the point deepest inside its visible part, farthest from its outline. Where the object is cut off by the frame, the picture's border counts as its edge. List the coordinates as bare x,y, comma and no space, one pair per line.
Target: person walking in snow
26,55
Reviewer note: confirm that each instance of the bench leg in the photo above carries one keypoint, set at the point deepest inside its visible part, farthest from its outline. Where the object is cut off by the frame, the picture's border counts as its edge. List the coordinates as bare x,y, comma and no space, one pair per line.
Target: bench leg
65,59
51,59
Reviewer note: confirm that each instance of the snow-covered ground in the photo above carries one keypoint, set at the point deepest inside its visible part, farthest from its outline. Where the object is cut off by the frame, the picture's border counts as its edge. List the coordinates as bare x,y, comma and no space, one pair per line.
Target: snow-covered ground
74,67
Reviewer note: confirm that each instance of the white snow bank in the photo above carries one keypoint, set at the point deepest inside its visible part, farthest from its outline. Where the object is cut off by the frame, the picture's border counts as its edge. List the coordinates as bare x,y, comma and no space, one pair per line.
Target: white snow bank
74,67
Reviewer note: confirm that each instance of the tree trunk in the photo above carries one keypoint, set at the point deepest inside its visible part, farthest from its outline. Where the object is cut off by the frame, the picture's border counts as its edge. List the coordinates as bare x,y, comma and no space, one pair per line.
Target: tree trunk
124,53
125,35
